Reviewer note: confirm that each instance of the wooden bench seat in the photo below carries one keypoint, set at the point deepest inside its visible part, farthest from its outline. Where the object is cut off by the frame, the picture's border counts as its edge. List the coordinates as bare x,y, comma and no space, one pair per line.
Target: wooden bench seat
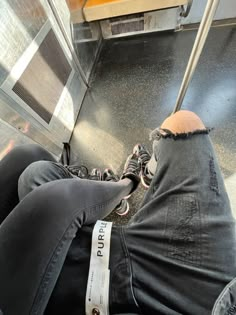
103,9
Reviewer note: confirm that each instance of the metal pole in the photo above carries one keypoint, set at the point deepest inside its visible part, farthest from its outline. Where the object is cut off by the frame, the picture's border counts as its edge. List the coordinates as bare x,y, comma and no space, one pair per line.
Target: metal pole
203,31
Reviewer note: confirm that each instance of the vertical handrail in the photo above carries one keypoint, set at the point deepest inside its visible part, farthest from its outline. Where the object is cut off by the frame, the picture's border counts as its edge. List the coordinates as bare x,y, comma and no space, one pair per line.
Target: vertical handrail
202,34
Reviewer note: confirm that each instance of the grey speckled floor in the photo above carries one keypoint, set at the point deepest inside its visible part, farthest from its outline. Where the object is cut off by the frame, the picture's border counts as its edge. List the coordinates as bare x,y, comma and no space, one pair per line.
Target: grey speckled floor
135,87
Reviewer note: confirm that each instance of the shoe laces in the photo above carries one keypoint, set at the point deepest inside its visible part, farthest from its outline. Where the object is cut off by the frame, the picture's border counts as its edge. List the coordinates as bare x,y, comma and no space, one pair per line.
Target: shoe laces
144,156
95,176
112,178
133,166
79,171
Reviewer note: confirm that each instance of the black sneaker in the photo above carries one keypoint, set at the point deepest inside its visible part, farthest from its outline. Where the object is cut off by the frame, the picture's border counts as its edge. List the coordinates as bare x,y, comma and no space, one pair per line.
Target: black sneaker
132,170
78,171
95,174
144,157
123,207
108,175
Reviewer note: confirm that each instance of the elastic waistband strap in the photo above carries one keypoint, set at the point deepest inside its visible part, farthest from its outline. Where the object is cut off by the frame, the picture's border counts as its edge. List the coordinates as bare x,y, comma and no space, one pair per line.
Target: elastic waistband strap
97,295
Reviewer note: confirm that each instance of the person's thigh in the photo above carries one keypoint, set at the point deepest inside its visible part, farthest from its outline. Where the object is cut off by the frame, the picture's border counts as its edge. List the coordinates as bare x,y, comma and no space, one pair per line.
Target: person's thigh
182,241
11,167
39,173
36,236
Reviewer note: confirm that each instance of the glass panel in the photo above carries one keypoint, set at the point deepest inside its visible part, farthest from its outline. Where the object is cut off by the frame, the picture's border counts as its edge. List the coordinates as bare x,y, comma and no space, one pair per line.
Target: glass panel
86,40
20,22
43,81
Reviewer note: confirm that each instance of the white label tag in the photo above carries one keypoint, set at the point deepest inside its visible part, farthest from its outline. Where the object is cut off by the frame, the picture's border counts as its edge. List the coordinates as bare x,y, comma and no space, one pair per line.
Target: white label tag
97,295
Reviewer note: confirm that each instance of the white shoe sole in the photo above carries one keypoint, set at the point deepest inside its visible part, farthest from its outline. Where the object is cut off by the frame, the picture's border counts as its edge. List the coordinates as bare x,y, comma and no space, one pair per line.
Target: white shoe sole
146,186
125,213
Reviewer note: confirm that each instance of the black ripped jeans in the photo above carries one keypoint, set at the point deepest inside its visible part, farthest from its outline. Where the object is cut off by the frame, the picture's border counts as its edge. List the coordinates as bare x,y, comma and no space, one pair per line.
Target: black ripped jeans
175,257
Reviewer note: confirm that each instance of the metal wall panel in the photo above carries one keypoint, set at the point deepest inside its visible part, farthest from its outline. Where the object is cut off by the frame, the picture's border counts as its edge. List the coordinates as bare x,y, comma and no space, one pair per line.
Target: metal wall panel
9,138
43,90
226,10
25,127
23,27
64,14
146,22
87,40
20,22
85,37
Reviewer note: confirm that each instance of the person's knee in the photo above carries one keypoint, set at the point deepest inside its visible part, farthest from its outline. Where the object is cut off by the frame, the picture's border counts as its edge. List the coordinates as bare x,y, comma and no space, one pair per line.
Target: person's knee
34,152
50,201
183,122
37,174
27,154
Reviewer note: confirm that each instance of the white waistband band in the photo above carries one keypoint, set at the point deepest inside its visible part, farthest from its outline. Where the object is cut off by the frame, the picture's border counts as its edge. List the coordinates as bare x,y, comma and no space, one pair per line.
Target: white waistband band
97,295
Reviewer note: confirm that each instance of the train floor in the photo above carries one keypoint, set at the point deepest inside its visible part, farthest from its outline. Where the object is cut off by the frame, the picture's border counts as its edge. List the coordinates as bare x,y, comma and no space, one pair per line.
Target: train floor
134,88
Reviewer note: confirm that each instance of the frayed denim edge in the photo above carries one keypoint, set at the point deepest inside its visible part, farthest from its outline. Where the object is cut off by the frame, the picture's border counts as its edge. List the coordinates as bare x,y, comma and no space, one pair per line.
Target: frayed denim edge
159,133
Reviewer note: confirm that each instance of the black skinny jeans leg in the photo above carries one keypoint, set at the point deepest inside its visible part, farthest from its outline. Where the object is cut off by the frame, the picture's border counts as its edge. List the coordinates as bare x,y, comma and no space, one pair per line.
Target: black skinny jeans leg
36,235
11,167
39,173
